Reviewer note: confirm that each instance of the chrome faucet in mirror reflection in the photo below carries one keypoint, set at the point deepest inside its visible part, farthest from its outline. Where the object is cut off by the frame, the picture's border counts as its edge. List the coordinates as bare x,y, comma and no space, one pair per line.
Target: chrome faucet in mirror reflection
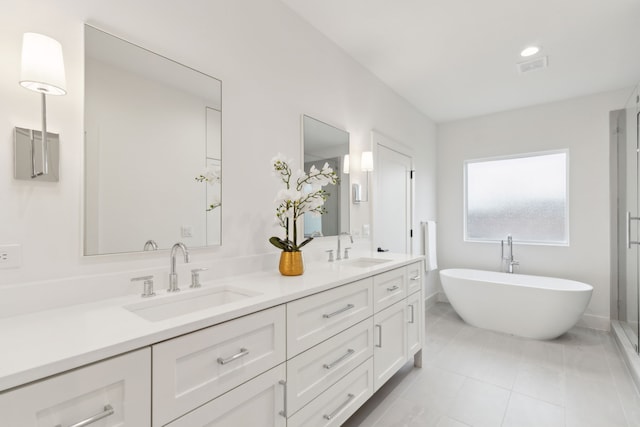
346,250
508,259
150,245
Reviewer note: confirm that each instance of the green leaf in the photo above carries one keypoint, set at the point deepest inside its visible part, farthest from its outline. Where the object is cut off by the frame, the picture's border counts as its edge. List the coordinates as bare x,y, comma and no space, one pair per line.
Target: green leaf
305,242
278,243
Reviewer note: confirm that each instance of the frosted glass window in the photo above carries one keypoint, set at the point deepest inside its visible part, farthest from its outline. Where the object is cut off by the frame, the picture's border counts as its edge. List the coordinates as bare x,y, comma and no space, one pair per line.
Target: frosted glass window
524,196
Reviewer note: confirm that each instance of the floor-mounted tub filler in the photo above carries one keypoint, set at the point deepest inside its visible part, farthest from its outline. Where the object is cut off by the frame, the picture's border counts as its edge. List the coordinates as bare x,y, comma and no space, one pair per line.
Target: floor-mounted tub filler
529,306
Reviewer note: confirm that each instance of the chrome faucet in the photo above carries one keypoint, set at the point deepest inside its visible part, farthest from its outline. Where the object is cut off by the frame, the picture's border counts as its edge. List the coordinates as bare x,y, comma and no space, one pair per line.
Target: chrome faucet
173,276
338,255
150,245
508,258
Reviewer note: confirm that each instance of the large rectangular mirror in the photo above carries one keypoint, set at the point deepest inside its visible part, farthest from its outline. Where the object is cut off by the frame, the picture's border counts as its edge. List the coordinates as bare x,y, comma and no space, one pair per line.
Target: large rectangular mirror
324,143
152,127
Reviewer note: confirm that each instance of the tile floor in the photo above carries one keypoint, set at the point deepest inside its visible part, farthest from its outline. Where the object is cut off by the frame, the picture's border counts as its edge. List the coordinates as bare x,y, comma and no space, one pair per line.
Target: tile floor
474,377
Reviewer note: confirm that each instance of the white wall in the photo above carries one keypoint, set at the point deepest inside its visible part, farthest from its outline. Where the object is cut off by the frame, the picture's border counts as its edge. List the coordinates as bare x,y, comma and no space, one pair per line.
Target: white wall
274,67
582,126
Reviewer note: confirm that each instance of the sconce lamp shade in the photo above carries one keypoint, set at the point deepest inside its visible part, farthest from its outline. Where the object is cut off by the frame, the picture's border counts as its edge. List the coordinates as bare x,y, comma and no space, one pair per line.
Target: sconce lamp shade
366,162
42,65
345,164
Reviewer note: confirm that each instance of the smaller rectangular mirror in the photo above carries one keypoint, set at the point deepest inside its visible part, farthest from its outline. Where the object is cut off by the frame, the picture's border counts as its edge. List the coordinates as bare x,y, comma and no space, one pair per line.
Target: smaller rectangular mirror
324,143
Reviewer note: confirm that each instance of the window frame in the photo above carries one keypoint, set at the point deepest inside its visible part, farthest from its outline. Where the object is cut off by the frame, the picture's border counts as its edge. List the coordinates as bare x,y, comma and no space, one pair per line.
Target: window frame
567,233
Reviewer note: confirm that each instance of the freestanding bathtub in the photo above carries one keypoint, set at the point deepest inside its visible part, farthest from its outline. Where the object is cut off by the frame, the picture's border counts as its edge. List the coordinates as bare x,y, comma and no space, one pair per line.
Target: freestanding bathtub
529,306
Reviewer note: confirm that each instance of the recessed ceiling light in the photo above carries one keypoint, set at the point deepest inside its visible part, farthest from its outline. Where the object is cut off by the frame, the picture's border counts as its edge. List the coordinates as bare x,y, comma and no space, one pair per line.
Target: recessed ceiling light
529,51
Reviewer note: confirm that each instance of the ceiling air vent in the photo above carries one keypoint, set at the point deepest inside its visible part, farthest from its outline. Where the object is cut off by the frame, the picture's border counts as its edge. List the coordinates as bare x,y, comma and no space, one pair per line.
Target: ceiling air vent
534,64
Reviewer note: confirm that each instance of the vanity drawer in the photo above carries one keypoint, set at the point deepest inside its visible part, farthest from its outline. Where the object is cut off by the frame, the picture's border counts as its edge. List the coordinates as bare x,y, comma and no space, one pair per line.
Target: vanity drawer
116,391
259,403
193,369
315,370
339,402
414,276
317,317
389,288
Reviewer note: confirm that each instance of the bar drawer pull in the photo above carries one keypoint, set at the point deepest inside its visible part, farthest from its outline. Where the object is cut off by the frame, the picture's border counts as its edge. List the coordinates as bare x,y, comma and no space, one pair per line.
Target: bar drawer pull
108,410
414,278
283,413
379,345
335,313
332,415
393,288
243,352
335,362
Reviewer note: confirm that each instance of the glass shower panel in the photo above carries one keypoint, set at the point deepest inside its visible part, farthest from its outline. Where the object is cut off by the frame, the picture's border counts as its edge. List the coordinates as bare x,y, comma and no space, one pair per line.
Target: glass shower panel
629,207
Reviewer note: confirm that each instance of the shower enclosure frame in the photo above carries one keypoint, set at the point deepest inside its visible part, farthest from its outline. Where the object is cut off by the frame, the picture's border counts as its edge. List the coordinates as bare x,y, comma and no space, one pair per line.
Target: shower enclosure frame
625,247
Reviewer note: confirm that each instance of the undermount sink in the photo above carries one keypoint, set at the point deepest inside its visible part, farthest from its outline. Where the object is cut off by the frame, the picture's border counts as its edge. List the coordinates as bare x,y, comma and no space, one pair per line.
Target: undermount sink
188,301
365,262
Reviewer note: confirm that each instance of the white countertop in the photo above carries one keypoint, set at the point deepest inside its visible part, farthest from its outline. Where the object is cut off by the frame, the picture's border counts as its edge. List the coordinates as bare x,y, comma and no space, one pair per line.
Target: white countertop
45,343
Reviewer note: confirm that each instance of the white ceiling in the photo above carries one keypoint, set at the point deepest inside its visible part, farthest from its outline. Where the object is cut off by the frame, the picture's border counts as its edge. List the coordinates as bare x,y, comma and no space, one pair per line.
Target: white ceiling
454,59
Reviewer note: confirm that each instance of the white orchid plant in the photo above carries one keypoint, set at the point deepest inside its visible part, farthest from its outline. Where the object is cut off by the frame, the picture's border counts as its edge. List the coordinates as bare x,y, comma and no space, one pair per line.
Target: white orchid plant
211,176
303,193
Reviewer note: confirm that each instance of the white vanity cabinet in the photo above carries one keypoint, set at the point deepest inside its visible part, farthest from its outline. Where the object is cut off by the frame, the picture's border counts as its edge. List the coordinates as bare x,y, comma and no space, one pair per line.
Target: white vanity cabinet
112,393
334,364
311,361
193,369
399,328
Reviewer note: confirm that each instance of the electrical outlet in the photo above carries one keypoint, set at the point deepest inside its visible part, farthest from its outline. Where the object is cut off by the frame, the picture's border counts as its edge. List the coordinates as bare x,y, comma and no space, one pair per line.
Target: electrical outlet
186,231
10,256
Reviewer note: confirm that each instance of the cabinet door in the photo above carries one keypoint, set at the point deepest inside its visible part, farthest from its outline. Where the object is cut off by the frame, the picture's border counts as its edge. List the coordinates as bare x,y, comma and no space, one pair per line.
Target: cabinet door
114,393
193,369
259,402
390,342
415,323
414,275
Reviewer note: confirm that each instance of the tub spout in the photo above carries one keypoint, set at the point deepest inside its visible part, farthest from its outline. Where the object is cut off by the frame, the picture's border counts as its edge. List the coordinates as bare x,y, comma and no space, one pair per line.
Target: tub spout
508,259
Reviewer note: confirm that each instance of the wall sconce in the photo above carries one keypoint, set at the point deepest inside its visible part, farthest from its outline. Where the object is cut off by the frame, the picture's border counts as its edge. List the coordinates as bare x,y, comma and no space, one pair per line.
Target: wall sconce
345,164
366,165
43,72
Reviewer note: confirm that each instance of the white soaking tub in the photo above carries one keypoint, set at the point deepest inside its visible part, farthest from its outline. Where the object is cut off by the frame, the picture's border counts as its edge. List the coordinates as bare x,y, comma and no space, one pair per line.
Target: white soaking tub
529,306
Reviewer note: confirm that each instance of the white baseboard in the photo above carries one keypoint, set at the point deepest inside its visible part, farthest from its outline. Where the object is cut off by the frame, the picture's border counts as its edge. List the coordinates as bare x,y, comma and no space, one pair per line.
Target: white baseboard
591,321
431,300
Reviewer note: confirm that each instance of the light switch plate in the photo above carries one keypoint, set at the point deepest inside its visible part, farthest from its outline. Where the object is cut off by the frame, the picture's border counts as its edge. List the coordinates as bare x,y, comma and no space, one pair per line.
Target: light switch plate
10,256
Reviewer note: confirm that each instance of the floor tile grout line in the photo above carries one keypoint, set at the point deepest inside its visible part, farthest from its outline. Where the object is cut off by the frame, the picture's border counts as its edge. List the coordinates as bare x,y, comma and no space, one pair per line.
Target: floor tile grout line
506,408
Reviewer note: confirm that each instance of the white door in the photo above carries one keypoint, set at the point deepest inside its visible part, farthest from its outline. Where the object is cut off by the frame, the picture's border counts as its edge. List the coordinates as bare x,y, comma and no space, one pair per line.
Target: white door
393,201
